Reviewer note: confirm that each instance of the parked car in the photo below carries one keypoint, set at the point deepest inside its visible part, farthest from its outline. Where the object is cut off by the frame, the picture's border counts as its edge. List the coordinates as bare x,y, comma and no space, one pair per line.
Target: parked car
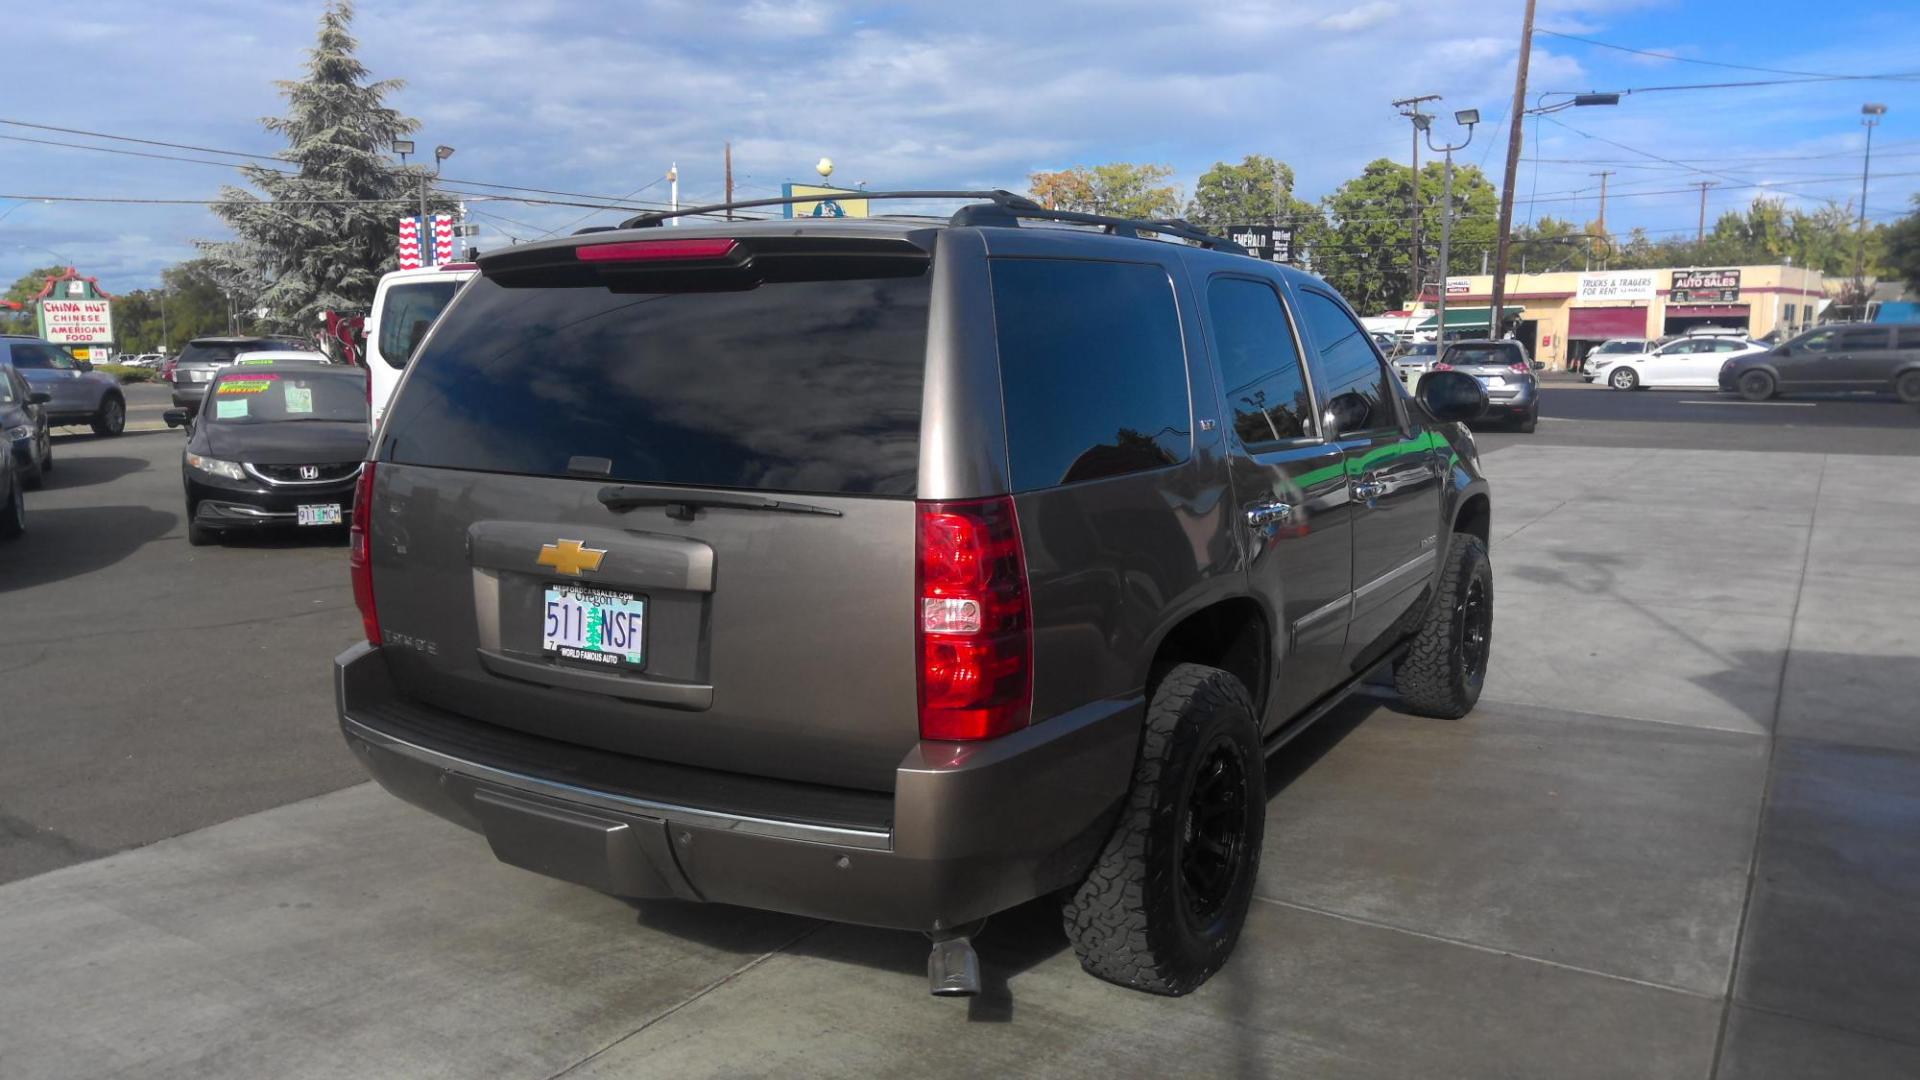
1507,372
1842,357
404,309
1682,362
13,498
76,393
281,445
1412,359
25,433
899,572
1609,351
203,358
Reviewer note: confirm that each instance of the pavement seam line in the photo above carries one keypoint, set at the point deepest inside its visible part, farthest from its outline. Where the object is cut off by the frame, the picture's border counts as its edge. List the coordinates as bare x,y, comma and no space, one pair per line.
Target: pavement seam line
696,996
1766,788
1477,947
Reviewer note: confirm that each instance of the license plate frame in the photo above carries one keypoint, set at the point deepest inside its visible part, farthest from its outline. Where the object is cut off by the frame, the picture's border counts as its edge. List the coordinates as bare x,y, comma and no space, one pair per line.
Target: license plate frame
619,641
318,514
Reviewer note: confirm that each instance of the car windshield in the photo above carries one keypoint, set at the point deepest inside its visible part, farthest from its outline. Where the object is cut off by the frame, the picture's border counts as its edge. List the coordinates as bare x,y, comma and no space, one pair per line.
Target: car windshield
1492,352
1621,347
265,397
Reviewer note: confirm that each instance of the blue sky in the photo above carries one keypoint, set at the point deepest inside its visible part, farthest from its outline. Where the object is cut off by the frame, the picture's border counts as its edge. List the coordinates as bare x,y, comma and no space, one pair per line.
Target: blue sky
600,97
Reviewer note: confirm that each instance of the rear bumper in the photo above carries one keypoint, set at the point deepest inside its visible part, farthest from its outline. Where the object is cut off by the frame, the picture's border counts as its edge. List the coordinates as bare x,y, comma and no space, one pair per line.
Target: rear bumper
970,829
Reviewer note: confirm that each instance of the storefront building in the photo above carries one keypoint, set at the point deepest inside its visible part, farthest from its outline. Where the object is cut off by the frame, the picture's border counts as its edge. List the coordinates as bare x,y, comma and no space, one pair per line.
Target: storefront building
1565,315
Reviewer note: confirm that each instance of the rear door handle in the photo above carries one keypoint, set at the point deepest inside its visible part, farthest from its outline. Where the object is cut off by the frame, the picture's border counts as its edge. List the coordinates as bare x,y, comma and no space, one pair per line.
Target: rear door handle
1368,490
1266,515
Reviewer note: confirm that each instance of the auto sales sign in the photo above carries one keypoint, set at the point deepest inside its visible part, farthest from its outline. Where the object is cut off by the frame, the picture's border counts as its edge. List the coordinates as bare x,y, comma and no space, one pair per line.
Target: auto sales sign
76,322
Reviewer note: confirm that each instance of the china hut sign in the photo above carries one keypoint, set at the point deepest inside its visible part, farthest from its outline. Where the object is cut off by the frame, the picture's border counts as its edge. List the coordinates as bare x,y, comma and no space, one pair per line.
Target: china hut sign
74,311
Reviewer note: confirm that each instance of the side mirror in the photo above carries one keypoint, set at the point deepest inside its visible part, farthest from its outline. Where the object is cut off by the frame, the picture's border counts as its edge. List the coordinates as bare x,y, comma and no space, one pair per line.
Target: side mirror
1783,350
177,418
1539,365
39,397
1451,396
83,365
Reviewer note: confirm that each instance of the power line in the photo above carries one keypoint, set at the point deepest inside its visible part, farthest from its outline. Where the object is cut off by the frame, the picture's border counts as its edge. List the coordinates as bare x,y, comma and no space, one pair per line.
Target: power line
1706,63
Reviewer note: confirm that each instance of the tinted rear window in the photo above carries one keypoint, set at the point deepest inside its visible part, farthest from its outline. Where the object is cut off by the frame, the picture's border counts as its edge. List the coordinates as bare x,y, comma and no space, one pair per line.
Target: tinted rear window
1092,369
1490,353
221,352
804,386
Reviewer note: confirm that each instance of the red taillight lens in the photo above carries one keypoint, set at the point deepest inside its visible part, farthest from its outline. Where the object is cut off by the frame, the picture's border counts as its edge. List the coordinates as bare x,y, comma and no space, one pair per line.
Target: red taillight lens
656,250
360,554
975,628
1520,368
1442,365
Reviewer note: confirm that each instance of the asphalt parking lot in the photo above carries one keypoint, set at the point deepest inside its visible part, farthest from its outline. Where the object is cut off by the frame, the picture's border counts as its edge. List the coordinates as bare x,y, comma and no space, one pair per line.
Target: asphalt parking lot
1679,837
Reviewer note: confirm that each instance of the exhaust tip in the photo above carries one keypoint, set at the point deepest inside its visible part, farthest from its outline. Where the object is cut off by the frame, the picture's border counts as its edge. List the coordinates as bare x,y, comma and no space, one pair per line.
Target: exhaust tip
953,969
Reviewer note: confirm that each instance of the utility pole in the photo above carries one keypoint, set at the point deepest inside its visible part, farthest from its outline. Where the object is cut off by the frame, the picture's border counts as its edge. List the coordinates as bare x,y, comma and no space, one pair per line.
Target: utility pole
729,179
1603,197
1870,115
1700,237
1410,108
673,186
1503,237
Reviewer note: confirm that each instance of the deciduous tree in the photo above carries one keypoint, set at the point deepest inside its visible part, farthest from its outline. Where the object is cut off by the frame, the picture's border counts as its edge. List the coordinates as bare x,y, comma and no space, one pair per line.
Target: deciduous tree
1121,189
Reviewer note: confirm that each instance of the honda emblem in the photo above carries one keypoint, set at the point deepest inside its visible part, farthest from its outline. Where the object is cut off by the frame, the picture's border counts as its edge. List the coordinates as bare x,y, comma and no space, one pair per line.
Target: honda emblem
309,472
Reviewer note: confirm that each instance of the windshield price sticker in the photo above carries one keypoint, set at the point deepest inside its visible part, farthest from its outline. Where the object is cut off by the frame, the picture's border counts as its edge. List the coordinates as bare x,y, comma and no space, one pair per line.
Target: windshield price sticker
299,399
252,384
230,410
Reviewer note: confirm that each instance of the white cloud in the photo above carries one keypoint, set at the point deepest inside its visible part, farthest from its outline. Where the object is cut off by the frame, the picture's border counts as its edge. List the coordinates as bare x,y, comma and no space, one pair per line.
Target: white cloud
1359,18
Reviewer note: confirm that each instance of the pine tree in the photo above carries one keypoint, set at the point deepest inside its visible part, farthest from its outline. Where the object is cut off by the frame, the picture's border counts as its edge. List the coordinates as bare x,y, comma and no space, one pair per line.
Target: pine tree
325,230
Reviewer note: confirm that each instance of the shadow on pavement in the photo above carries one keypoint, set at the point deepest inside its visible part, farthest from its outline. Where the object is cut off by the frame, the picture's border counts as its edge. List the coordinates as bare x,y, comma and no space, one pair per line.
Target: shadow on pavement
61,543
72,472
285,537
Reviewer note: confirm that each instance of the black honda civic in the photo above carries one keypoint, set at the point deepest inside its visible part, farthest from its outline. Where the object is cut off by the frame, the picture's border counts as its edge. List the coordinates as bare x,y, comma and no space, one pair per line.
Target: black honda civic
277,443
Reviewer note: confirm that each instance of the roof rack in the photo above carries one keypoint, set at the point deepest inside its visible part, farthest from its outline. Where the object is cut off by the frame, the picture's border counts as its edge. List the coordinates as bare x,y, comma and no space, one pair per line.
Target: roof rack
999,208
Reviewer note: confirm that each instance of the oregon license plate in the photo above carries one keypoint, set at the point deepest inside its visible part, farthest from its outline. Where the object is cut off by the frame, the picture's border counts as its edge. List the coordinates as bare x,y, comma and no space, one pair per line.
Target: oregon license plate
320,514
1492,380
594,625
199,376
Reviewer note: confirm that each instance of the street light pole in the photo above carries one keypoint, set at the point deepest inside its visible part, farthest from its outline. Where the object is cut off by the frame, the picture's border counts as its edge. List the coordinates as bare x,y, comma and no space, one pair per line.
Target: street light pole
1870,115
1467,117
1410,108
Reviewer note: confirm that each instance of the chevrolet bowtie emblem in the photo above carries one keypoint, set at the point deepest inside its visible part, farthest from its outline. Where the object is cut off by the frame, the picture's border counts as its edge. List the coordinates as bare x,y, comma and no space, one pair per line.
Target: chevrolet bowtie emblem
570,557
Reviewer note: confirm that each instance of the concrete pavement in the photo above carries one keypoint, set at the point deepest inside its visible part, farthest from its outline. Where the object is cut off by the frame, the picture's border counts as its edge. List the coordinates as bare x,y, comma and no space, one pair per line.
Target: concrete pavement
1676,839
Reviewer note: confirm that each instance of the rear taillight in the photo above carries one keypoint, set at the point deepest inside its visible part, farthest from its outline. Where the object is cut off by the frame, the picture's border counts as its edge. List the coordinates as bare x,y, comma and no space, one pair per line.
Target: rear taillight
1519,368
656,250
360,553
1442,365
975,630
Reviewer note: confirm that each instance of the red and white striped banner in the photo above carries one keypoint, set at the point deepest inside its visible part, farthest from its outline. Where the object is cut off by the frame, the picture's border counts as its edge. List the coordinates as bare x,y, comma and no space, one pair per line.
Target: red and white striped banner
442,238
410,243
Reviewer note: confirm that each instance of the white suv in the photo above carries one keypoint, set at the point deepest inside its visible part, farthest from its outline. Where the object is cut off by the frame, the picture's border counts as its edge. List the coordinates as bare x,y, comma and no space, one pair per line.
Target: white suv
404,309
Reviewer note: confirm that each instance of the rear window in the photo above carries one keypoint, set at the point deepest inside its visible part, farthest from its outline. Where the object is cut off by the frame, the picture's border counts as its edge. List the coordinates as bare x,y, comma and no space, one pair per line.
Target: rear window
1092,370
1493,352
407,312
803,386
222,352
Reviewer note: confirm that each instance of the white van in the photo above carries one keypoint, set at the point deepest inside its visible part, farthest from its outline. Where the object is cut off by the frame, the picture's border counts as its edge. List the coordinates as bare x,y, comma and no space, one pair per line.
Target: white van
404,308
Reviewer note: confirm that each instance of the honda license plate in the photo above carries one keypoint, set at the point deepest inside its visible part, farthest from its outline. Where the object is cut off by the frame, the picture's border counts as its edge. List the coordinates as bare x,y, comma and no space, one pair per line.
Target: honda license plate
320,514
595,625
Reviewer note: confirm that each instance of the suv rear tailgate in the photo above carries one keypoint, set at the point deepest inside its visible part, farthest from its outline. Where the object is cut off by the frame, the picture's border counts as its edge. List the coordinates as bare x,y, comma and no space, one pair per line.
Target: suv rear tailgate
777,642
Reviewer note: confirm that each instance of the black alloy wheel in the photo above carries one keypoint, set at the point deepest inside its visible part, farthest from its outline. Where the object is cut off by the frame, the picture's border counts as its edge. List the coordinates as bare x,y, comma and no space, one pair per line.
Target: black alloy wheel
1473,619
1214,835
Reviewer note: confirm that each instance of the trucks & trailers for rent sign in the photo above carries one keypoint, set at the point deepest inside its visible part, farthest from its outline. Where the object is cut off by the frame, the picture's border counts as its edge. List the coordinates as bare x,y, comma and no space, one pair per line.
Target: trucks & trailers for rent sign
76,322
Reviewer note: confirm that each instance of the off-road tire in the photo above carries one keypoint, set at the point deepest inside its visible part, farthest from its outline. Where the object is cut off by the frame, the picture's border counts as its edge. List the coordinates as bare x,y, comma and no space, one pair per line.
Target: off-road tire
1132,920
1755,385
1441,674
1907,387
112,417
1623,378
13,513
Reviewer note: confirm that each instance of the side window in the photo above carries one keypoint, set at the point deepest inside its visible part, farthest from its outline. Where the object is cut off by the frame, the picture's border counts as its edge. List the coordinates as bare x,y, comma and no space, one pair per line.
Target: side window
1352,380
1818,343
1260,373
1909,338
40,358
409,312
1092,369
1864,339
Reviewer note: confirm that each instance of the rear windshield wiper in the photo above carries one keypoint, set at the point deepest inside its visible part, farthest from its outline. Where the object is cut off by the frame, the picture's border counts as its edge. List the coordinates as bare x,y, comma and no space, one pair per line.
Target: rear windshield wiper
683,507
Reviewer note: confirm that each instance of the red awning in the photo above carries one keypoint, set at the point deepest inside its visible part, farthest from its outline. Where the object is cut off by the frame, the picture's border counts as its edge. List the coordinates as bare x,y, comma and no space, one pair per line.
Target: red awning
1713,311
1600,323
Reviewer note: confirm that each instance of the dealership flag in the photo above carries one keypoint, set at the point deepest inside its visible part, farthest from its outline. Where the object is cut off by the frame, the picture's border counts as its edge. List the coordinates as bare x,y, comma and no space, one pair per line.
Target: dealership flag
442,238
410,243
